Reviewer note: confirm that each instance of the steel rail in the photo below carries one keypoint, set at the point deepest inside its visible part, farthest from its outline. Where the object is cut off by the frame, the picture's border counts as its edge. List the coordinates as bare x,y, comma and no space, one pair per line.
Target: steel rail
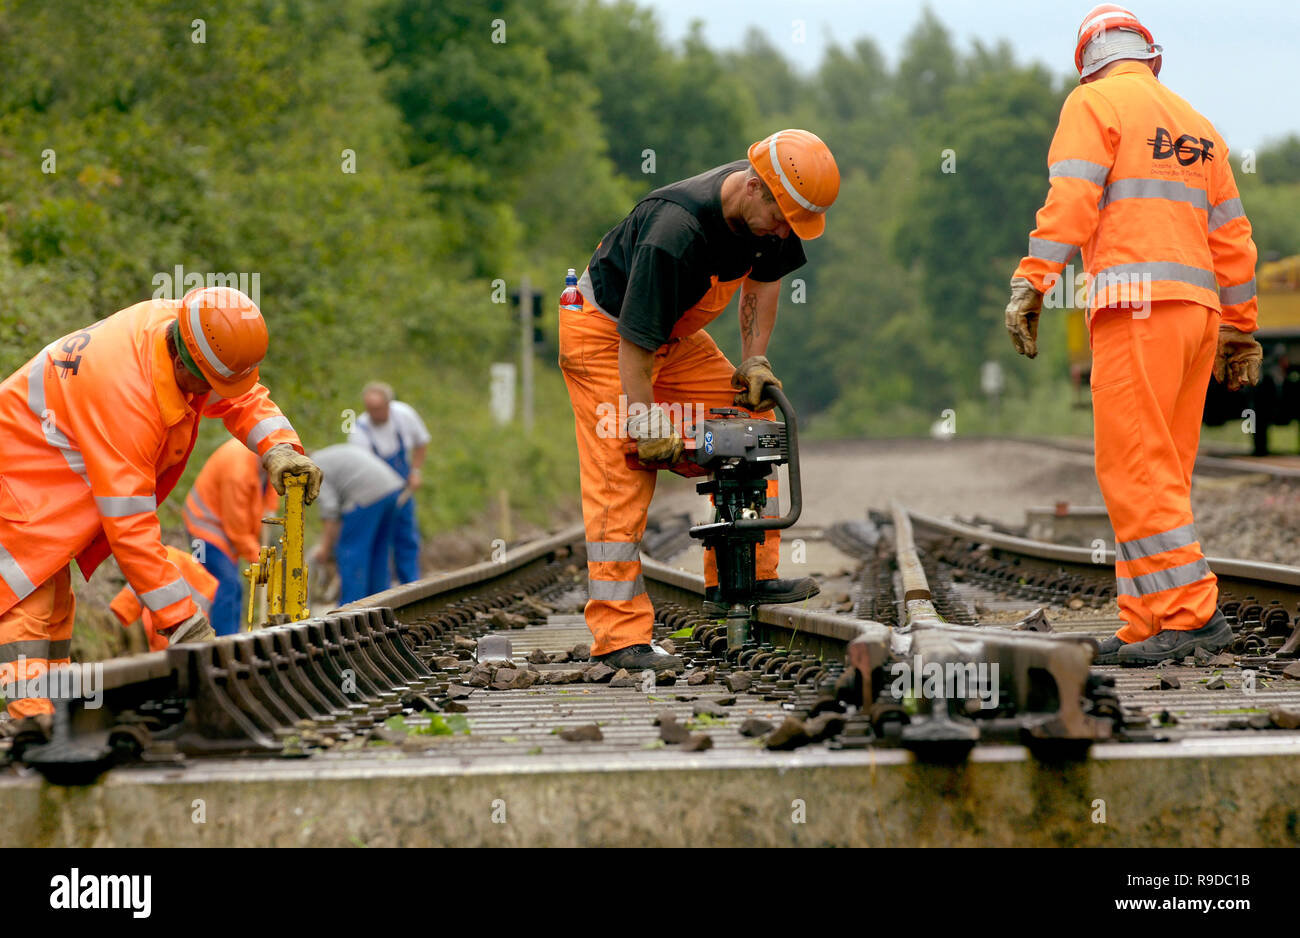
1266,580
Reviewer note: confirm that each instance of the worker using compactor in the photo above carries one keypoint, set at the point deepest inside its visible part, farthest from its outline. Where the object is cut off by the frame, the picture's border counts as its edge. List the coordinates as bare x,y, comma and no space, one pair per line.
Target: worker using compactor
97,429
1142,187
637,347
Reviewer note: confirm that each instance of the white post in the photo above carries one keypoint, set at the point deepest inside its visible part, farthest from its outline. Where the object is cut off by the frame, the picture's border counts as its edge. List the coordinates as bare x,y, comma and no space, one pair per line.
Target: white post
526,350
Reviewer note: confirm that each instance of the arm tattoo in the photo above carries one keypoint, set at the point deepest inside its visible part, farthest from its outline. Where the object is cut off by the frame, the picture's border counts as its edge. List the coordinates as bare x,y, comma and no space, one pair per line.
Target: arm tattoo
749,317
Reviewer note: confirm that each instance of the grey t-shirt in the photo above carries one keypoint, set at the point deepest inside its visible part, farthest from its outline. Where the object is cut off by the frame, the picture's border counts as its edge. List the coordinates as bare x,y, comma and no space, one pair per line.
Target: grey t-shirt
354,478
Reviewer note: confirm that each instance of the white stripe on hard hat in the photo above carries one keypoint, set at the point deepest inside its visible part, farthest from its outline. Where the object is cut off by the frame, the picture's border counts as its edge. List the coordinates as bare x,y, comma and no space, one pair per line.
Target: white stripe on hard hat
196,327
785,183
1102,17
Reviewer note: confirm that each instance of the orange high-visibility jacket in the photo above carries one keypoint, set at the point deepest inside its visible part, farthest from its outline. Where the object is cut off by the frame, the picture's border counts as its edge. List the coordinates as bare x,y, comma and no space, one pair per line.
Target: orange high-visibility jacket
229,499
96,433
1141,184
127,607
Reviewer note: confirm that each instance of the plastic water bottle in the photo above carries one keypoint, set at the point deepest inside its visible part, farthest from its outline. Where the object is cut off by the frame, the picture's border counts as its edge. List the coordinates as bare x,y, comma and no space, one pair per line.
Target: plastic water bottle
571,298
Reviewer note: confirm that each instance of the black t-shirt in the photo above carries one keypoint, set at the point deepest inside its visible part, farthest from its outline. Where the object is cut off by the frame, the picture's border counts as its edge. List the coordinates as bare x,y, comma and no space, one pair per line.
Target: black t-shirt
659,261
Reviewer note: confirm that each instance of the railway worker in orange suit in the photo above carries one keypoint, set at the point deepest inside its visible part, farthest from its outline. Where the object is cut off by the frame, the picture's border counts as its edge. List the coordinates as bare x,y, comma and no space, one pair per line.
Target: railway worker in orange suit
224,512
97,428
1142,186
654,282
129,610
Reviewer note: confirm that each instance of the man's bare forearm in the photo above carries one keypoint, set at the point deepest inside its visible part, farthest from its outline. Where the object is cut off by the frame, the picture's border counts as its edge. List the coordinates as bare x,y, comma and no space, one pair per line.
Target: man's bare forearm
758,302
636,370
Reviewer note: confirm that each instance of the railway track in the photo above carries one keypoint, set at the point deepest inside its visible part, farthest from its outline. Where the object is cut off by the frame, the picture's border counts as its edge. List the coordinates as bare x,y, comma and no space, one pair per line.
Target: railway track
481,672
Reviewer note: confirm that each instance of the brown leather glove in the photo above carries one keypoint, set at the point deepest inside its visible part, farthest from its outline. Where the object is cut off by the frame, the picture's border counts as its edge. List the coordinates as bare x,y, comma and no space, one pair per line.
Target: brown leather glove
750,378
1238,359
1022,316
656,439
281,460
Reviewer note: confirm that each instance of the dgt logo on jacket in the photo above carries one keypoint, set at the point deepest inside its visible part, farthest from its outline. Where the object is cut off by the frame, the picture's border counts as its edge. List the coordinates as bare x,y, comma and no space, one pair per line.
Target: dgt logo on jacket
1187,149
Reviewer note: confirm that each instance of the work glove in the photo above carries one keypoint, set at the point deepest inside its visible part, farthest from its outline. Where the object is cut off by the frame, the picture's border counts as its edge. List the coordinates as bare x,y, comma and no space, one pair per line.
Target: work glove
194,629
281,460
751,377
1022,316
656,439
1237,361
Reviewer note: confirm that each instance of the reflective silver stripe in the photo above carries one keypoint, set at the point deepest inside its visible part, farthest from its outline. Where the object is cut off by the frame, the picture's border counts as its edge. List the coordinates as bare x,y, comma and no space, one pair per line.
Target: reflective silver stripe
1056,251
1226,211
200,600
208,513
613,550
196,329
216,535
772,508
589,293
1156,270
263,428
53,435
60,649
164,596
1150,583
1170,189
27,648
122,506
13,575
1079,169
614,590
785,182
1237,294
1157,543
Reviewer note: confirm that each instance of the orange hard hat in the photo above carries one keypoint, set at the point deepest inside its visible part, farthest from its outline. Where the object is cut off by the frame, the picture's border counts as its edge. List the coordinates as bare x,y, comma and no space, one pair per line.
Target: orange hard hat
801,173
225,335
1102,18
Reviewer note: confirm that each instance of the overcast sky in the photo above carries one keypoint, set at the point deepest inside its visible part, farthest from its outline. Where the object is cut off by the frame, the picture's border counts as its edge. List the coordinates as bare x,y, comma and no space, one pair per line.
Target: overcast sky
1238,63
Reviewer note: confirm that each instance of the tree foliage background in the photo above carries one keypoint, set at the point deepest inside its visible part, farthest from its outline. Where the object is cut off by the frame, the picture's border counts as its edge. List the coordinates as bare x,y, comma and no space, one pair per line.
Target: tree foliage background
479,160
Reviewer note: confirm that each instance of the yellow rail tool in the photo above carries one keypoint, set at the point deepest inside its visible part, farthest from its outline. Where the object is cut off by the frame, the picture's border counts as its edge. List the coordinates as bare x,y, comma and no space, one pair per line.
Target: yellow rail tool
281,568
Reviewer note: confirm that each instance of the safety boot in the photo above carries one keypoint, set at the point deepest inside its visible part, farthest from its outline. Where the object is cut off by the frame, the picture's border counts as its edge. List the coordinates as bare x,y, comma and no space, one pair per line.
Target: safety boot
1108,650
640,658
1214,636
765,591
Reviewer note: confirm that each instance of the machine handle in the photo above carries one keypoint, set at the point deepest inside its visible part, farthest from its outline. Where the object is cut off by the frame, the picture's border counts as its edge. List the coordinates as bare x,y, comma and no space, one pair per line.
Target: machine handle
796,492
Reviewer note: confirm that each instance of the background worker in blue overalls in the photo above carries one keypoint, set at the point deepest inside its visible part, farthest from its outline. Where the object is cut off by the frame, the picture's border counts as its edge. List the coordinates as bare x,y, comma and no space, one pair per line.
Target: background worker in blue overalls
358,505
394,432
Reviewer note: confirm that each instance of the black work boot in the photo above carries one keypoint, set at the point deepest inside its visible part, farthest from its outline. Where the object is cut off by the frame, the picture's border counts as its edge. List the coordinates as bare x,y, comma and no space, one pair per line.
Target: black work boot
1214,636
765,591
1108,650
640,658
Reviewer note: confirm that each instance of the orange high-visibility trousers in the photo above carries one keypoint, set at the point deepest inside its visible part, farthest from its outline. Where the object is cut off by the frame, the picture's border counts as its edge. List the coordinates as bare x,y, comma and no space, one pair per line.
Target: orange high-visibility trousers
615,497
1149,377
35,635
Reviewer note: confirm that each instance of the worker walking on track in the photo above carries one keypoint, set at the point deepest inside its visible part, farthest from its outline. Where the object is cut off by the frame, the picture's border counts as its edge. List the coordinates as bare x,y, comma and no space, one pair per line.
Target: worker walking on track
1142,186
394,432
358,504
637,347
223,513
129,610
97,429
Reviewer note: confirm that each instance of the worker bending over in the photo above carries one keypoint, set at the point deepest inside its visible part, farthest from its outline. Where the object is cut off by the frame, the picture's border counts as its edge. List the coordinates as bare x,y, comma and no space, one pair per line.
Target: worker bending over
394,432
358,504
1142,186
97,428
656,280
224,513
